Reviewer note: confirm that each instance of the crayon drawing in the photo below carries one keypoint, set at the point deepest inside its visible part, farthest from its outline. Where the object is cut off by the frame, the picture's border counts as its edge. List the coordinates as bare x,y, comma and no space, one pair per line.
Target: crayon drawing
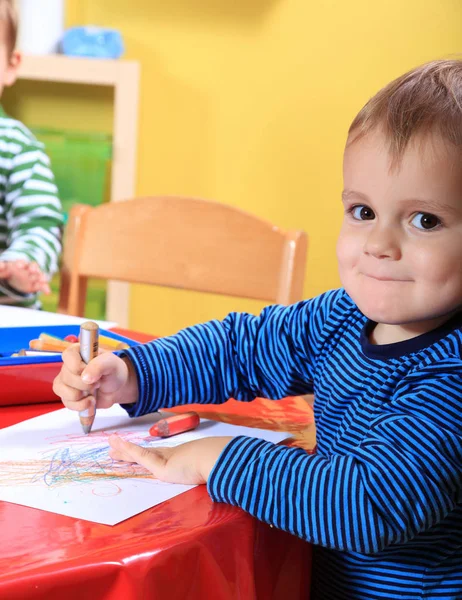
49,464
80,460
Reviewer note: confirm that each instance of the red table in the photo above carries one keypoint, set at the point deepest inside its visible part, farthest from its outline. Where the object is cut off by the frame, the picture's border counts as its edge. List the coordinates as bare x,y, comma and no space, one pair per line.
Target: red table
187,547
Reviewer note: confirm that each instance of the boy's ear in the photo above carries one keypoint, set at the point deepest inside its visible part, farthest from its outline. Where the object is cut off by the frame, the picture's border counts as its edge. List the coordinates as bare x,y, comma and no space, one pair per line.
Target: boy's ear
11,72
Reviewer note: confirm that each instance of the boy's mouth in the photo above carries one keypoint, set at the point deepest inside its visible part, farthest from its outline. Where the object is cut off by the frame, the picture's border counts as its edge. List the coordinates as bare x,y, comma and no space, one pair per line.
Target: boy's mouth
385,278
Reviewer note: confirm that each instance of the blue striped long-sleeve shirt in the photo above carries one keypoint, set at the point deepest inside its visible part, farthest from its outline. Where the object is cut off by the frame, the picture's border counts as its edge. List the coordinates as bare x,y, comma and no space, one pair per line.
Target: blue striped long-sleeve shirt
382,497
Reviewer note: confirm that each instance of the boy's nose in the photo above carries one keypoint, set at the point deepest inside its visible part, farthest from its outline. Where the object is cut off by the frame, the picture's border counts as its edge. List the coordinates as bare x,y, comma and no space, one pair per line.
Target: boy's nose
382,242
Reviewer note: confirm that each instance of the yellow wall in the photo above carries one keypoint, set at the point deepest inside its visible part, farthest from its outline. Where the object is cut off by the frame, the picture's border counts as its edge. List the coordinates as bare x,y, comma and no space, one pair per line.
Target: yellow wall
248,102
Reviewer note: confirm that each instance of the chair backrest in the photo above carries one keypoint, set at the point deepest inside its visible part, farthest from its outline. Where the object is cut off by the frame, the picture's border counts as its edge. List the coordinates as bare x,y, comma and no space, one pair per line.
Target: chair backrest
182,243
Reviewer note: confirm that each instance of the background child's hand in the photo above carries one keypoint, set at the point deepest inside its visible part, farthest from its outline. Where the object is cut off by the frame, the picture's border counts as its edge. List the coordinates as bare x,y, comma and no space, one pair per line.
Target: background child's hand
189,463
5,269
112,377
26,277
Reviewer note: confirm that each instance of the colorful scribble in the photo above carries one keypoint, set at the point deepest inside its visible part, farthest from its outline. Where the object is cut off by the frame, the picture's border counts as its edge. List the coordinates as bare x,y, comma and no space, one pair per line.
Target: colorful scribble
83,460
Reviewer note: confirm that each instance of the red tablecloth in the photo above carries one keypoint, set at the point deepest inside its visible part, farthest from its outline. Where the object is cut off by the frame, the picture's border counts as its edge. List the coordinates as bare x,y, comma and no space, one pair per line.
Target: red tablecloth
187,547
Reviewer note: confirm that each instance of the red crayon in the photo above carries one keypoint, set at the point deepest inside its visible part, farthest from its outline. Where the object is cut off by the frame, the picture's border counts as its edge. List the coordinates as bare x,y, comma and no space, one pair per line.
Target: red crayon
175,424
73,339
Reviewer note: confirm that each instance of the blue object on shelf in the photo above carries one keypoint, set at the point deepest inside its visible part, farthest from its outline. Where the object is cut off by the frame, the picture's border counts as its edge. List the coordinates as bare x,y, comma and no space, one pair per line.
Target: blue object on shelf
93,42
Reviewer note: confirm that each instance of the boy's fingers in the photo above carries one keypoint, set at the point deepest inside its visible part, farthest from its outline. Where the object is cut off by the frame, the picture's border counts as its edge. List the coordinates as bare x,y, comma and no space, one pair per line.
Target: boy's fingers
82,404
74,380
74,399
71,381
72,359
118,454
152,459
103,364
63,391
78,374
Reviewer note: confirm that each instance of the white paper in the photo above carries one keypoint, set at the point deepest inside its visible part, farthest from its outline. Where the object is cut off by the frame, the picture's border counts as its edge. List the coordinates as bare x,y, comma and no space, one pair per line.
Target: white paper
14,316
48,463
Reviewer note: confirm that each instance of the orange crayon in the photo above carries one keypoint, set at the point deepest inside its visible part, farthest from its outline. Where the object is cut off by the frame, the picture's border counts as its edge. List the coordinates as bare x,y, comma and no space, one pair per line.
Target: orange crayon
46,337
48,346
175,424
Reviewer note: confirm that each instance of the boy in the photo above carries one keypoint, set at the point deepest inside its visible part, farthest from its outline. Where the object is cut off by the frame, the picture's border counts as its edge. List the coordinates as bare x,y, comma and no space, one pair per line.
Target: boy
30,212
382,497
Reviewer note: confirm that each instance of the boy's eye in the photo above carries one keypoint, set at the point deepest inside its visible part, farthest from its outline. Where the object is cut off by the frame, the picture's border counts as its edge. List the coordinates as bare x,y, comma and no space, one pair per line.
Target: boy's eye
425,221
362,213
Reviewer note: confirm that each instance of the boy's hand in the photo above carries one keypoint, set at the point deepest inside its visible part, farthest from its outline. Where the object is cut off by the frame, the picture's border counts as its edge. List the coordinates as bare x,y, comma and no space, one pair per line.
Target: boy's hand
24,276
76,384
189,463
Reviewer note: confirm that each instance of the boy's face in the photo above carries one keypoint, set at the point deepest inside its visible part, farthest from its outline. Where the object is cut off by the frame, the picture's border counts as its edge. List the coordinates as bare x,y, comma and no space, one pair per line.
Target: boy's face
9,61
400,246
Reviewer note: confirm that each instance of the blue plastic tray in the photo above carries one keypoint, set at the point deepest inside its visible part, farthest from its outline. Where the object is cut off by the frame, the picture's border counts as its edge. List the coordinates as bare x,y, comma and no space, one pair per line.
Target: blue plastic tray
13,339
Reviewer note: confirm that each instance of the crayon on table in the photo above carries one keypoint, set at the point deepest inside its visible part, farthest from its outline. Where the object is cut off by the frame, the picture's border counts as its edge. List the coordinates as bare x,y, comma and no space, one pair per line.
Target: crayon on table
48,345
46,337
29,353
175,424
89,333
111,343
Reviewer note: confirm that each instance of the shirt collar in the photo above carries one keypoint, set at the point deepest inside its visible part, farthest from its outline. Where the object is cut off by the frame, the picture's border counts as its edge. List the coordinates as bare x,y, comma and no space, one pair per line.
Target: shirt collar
410,346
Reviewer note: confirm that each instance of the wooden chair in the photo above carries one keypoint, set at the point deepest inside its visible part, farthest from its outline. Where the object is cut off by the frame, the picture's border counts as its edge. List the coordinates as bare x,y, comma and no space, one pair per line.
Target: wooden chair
182,243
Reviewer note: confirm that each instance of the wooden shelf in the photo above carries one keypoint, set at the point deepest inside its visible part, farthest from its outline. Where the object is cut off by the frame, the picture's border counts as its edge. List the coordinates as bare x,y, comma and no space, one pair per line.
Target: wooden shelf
68,69
124,77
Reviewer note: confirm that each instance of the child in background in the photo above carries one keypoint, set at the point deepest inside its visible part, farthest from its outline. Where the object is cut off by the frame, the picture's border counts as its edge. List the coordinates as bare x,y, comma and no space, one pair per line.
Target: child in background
382,497
30,212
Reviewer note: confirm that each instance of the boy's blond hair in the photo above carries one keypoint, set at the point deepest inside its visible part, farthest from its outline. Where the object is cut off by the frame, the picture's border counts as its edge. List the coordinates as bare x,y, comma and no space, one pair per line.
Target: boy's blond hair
8,13
427,99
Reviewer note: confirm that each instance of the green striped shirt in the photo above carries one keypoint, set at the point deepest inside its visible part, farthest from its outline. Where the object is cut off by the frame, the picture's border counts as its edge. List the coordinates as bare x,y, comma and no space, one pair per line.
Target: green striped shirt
30,211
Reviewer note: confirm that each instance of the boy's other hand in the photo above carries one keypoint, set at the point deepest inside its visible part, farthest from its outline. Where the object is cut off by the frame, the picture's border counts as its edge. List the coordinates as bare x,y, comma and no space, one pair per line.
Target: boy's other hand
113,378
25,277
189,463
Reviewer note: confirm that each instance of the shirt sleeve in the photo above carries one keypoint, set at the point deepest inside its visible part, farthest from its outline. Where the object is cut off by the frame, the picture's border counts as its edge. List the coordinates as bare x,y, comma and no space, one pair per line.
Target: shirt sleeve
241,357
33,210
400,481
